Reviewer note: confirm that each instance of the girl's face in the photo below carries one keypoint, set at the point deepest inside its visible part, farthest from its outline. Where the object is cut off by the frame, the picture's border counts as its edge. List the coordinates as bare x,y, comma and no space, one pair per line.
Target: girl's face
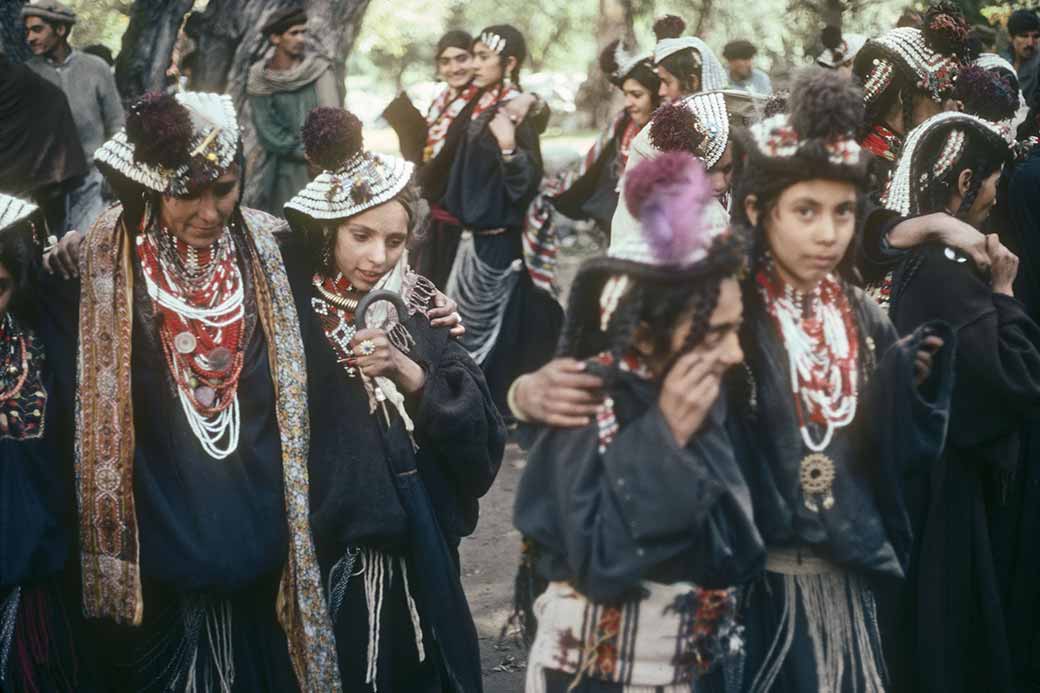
368,245
670,90
720,346
639,102
985,199
6,289
488,66
455,67
808,229
199,220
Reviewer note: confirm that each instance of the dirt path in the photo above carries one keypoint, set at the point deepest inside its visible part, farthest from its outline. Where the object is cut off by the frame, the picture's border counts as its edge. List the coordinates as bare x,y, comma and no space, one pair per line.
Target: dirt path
489,560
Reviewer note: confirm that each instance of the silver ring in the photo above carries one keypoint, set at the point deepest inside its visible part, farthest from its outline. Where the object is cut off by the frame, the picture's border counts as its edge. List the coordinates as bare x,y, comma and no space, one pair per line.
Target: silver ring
367,347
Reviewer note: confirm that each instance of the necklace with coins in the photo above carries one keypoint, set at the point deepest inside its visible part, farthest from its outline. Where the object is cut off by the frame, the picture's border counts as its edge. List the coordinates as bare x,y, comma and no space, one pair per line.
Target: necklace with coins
199,298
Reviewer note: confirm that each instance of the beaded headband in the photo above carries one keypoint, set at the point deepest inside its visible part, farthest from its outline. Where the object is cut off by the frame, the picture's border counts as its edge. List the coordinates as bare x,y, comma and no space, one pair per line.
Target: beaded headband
496,43
934,72
909,177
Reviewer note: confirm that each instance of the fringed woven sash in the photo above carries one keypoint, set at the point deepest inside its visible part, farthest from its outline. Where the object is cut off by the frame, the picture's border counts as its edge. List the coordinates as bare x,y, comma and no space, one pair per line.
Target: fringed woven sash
105,443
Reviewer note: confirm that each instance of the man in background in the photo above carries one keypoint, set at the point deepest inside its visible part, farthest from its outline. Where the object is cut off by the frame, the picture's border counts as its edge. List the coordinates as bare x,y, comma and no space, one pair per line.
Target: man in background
1024,33
282,91
90,88
743,75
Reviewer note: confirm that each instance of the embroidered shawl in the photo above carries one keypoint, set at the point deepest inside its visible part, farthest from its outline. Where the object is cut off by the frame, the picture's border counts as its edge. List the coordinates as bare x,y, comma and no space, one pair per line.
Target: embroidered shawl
110,549
443,112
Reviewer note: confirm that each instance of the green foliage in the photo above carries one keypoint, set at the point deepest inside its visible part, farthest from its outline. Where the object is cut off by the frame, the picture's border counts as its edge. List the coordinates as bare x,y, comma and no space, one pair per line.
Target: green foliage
100,21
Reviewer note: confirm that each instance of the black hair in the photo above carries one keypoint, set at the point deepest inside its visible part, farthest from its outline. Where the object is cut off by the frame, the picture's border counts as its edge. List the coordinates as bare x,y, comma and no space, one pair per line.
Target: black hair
643,72
1022,21
645,75
685,65
740,49
102,51
19,256
980,155
456,38
515,47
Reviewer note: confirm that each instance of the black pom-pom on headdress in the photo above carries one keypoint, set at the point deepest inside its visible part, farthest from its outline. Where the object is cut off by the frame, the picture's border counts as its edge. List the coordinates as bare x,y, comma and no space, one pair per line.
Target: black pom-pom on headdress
608,60
776,103
669,26
160,129
331,136
986,94
947,31
831,38
823,105
676,129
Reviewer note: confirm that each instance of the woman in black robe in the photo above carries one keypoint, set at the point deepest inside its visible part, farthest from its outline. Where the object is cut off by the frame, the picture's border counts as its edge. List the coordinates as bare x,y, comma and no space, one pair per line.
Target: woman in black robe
827,419
511,325
197,556
42,643
350,229
972,596
640,522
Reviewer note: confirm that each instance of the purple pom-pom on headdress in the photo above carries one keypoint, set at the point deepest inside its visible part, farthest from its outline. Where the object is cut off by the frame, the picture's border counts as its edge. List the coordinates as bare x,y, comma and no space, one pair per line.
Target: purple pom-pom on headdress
160,129
986,94
667,194
675,128
331,136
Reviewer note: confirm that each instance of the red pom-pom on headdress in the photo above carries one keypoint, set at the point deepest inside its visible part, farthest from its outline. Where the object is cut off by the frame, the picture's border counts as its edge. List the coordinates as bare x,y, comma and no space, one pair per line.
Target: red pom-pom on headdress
667,194
160,129
946,31
669,26
676,129
331,136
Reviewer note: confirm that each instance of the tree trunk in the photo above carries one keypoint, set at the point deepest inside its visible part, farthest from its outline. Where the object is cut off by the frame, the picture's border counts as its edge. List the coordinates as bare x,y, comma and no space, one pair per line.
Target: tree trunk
12,33
228,42
148,45
597,97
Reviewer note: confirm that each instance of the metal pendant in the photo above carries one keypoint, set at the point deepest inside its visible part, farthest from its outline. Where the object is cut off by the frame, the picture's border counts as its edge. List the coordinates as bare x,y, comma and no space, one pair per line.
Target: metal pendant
817,478
184,343
219,359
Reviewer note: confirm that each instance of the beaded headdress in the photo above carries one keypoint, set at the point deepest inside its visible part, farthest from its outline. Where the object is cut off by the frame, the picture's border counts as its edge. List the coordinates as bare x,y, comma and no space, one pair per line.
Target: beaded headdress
13,211
670,40
698,124
817,137
839,48
928,58
172,144
617,63
352,180
913,174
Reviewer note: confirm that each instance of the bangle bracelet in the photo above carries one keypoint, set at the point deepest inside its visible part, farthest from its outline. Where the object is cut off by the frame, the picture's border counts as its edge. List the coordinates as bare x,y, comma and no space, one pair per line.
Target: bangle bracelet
511,402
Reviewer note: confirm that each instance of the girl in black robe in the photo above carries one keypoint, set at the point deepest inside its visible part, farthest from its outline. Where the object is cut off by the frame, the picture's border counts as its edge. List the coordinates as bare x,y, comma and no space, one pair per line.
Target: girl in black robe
972,595
350,228
826,417
640,522
511,325
42,643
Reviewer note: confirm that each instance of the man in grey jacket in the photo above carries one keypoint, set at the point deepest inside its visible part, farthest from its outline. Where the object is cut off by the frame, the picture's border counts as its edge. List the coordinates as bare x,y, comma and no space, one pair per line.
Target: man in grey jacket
90,89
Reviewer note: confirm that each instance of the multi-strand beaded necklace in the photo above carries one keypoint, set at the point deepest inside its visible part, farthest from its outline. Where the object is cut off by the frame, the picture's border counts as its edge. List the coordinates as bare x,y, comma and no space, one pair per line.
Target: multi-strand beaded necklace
819,334
335,303
23,399
198,296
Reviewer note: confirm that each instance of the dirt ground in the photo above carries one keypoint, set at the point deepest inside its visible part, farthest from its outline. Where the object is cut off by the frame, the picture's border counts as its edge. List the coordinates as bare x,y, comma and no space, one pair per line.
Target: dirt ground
489,560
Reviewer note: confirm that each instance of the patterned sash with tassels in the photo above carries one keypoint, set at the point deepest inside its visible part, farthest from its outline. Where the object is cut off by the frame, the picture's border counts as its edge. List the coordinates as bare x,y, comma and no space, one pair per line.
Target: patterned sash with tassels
105,443
541,245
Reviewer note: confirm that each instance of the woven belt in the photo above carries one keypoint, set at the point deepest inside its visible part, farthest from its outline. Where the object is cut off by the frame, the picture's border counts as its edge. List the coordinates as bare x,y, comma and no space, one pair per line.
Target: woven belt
799,561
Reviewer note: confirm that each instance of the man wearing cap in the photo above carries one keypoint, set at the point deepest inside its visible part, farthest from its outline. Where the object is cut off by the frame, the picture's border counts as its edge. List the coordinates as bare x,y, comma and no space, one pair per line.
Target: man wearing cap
1024,33
282,91
90,89
742,74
